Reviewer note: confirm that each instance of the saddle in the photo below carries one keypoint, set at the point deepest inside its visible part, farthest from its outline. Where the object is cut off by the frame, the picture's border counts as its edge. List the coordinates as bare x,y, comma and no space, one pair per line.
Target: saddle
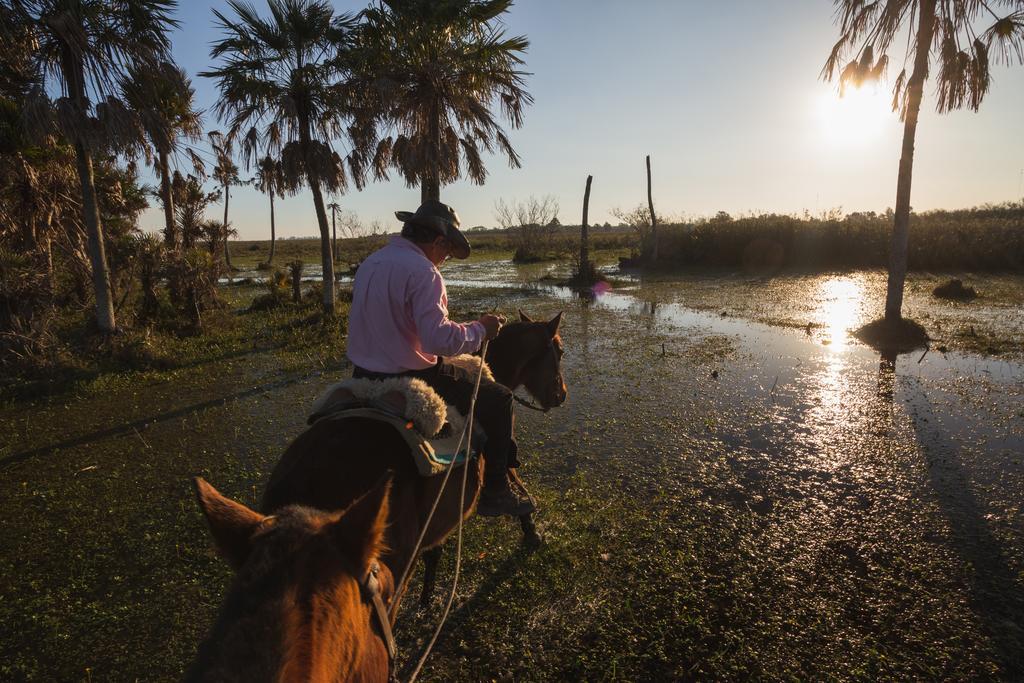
430,427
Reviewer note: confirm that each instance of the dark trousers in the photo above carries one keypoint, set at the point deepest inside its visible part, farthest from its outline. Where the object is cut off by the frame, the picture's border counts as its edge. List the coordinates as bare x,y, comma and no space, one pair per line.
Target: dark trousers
493,409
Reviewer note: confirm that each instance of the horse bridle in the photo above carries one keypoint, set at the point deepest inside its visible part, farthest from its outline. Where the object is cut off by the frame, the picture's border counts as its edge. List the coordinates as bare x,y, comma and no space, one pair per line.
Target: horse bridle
530,404
369,587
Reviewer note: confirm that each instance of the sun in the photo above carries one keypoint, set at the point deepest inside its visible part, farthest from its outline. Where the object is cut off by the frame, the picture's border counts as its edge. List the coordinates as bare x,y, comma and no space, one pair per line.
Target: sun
856,118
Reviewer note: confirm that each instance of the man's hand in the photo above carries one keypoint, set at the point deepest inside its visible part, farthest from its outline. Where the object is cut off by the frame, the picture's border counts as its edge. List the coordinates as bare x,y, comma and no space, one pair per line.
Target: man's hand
492,323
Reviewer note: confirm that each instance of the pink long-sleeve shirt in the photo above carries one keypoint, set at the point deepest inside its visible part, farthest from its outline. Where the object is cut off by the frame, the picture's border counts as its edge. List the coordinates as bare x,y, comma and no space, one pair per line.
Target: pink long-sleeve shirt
399,315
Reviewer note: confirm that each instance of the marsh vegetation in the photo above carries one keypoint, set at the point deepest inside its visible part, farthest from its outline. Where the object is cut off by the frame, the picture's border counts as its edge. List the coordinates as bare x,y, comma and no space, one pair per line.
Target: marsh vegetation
736,488
760,495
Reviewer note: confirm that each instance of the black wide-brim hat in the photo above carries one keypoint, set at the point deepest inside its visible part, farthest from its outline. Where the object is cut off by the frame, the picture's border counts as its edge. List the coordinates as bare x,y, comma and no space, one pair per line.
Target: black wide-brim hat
443,220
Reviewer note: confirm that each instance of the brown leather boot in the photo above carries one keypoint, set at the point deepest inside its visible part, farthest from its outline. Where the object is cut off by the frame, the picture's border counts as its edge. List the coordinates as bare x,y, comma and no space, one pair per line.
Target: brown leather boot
498,499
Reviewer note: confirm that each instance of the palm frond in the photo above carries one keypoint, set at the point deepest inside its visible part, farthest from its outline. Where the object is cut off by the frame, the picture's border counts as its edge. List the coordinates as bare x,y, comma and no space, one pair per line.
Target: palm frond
967,34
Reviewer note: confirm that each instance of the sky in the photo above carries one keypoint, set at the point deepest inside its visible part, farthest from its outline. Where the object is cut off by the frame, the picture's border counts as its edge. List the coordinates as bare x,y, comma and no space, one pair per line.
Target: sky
726,98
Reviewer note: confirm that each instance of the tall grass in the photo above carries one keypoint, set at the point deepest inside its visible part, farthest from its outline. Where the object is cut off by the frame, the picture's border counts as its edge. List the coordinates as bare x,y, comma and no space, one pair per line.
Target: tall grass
989,237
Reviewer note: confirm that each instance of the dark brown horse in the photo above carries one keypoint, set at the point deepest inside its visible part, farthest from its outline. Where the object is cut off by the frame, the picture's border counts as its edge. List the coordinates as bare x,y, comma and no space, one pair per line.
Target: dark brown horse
336,461
301,607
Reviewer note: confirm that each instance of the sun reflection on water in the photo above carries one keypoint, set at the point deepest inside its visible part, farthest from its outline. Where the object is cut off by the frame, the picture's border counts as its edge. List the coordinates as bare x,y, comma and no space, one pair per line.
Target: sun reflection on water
839,306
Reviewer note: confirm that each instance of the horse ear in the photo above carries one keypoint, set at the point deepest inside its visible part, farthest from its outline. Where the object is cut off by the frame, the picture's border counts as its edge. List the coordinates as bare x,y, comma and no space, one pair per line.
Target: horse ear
360,529
554,323
231,524
523,317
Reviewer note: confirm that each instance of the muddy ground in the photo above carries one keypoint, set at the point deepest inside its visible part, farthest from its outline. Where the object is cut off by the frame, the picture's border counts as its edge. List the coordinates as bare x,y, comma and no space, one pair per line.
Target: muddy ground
720,498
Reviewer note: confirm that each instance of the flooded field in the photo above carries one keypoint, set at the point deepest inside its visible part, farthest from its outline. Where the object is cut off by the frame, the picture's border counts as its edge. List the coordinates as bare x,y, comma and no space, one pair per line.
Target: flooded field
734,489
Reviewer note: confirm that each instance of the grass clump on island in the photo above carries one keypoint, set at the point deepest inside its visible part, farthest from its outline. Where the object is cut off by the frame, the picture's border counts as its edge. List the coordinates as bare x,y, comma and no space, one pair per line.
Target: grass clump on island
899,335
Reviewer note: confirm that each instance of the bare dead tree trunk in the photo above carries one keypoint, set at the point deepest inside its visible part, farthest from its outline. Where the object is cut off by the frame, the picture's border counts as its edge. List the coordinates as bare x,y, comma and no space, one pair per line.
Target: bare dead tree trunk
270,259
585,230
654,220
295,267
901,226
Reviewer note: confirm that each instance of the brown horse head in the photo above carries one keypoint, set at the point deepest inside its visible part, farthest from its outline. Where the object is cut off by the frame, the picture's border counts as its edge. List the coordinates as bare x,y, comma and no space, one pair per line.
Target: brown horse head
299,608
529,353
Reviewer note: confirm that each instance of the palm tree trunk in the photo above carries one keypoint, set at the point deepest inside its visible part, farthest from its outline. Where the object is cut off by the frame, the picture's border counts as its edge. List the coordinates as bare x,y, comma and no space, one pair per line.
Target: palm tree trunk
431,188
227,253
97,251
270,259
901,226
326,255
334,232
167,197
170,225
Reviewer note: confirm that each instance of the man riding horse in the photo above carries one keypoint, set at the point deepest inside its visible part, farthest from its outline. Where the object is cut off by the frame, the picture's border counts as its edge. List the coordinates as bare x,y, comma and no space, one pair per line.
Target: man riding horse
399,327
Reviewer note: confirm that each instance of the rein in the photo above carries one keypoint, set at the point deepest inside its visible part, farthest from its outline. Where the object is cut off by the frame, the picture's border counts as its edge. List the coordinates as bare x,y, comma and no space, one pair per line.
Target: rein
387,618
370,590
467,434
529,404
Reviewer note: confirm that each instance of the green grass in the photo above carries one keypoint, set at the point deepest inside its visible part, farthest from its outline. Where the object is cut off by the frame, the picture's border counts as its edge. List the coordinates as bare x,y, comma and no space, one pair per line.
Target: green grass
82,363
656,566
103,579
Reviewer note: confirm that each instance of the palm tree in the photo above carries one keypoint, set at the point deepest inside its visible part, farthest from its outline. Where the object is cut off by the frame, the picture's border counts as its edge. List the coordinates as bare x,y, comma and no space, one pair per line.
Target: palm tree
280,85
225,173
963,35
87,47
269,181
162,99
438,68
335,208
37,176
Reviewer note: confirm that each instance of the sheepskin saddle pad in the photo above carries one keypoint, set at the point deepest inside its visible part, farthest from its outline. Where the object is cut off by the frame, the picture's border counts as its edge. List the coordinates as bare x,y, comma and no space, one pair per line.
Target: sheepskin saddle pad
431,428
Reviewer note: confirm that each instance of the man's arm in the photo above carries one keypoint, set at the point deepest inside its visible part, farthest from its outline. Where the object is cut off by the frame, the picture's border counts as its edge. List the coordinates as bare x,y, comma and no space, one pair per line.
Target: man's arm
439,335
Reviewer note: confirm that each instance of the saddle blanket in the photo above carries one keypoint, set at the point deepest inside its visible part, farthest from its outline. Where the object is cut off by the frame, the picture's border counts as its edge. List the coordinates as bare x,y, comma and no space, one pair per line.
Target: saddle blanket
431,428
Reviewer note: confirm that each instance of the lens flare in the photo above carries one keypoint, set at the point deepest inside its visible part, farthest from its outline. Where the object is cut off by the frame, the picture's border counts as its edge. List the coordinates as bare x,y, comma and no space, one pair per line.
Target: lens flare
857,117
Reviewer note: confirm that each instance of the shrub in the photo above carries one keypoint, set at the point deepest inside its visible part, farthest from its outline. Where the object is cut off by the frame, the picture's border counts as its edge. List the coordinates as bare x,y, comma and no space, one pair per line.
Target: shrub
276,294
